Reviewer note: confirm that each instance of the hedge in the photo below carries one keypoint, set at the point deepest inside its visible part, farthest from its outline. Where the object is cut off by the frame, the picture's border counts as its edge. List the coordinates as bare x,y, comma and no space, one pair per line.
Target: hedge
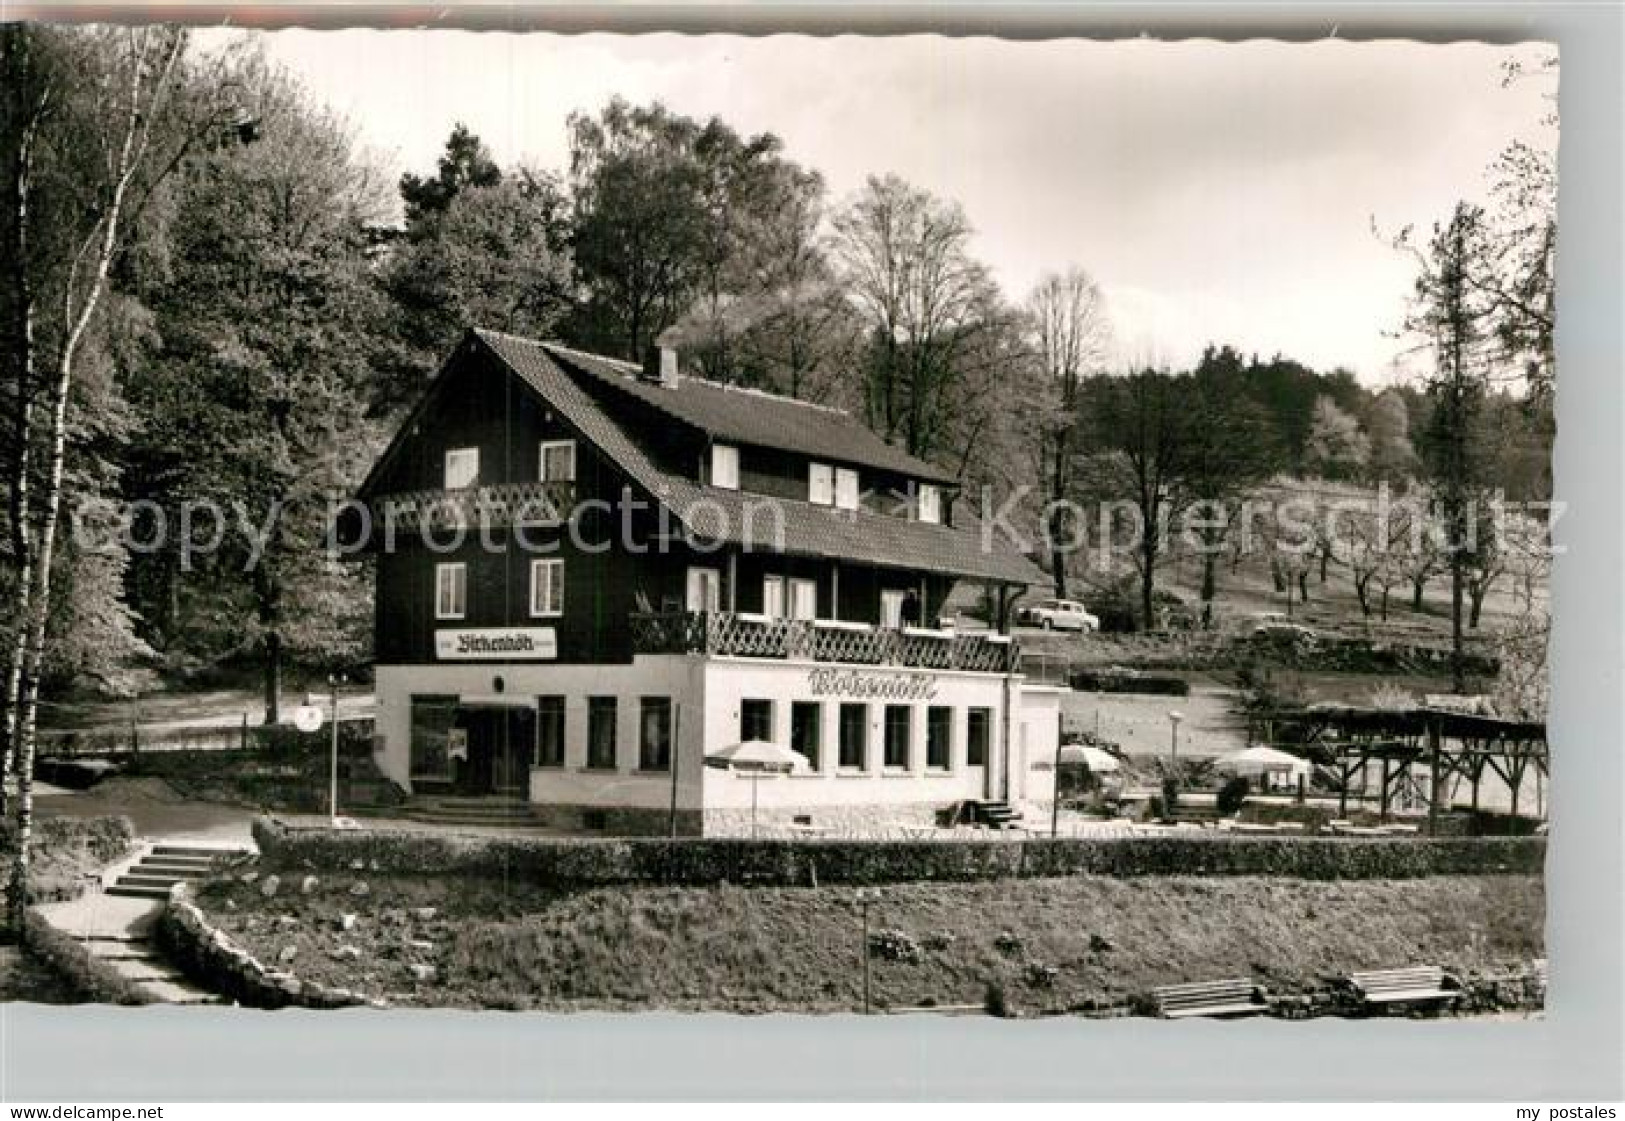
589,861
62,850
1119,681
90,976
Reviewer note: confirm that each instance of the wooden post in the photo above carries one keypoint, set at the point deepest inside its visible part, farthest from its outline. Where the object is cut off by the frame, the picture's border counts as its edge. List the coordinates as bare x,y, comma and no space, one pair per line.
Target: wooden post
1055,796
135,731
1515,769
1433,774
1382,811
1346,772
676,740
245,731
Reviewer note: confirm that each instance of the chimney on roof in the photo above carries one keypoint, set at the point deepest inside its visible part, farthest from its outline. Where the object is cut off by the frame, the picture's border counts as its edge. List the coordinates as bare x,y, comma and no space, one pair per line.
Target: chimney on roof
660,366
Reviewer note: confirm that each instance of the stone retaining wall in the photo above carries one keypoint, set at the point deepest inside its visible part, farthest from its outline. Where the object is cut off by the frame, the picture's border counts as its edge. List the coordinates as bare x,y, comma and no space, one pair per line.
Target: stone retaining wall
91,977
207,955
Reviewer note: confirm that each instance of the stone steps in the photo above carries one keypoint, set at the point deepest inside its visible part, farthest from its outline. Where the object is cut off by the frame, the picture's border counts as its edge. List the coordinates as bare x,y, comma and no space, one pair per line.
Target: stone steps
164,866
454,810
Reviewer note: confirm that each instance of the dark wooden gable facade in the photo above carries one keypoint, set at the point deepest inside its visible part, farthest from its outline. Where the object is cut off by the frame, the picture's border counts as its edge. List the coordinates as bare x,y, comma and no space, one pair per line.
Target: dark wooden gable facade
614,562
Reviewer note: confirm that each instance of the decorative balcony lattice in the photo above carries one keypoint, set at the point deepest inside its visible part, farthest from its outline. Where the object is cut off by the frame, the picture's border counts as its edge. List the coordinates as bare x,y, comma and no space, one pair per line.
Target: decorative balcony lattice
503,504
720,632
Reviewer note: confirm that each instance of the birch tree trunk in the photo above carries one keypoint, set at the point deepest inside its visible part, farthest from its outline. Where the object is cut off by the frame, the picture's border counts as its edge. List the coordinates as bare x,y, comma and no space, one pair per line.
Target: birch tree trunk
103,241
23,421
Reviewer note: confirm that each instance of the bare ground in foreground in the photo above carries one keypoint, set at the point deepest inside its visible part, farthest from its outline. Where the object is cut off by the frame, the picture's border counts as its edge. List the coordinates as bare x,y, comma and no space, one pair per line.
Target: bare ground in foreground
1051,944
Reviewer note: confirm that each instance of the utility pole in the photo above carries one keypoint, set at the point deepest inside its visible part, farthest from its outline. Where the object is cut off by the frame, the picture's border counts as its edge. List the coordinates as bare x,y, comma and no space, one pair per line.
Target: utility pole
866,896
334,681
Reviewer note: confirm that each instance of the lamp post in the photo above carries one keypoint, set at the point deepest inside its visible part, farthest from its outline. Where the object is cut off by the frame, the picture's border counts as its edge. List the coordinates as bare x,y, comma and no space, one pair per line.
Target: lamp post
866,897
334,680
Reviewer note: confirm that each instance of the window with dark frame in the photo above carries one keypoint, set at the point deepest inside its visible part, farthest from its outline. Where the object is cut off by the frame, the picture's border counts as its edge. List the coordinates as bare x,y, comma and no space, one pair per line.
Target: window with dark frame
854,729
546,587
978,733
557,462
899,729
806,724
756,720
654,734
939,736
451,590
601,712
550,731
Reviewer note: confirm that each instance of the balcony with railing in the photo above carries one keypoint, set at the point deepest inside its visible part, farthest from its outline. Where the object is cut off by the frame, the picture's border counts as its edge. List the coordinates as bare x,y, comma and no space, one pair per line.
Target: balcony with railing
750,636
504,504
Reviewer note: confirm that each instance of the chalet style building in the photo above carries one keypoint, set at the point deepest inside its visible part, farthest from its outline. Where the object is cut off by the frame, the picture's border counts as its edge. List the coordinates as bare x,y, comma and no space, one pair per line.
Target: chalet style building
593,575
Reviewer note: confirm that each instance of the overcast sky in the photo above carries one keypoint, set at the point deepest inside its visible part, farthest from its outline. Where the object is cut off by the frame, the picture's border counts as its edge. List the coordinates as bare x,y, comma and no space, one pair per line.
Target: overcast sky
1217,191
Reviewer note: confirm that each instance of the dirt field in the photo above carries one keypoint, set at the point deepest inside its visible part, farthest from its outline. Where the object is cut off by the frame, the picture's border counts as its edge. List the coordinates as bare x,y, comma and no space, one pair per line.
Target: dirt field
1048,944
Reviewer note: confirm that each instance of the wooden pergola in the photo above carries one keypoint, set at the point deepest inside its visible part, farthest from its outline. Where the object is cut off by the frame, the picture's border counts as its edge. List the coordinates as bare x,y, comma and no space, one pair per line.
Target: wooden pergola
1448,747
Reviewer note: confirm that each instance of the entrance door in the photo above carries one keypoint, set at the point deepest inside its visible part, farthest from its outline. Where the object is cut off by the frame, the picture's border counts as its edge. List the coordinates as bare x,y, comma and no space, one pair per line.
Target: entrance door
501,747
515,751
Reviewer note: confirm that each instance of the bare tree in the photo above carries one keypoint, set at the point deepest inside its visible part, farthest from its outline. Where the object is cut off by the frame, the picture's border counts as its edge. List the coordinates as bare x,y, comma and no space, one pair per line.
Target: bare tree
906,265
1071,333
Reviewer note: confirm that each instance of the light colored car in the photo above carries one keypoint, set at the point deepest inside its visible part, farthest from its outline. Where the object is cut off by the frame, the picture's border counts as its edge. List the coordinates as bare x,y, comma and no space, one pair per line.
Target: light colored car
1061,615
1282,631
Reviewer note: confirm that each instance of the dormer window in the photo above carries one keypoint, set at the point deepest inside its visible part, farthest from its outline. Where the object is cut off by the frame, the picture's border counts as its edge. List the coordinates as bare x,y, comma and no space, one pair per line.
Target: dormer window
558,461
846,488
725,466
929,504
462,468
820,484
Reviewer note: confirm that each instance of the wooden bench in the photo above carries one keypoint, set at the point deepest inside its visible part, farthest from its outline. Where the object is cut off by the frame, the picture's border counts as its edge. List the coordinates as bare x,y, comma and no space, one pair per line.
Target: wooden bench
1237,997
1421,984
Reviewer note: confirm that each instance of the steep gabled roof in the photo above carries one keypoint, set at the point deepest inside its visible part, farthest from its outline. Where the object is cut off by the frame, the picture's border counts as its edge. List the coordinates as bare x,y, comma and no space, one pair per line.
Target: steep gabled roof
755,522
750,416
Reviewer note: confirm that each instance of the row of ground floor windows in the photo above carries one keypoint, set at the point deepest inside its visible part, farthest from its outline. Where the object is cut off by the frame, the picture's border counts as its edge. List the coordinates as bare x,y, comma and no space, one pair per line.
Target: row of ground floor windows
756,722
441,731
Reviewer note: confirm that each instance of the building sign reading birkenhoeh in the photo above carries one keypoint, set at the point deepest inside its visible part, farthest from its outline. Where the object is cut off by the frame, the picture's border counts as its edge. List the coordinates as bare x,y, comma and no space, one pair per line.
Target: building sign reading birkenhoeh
497,644
870,685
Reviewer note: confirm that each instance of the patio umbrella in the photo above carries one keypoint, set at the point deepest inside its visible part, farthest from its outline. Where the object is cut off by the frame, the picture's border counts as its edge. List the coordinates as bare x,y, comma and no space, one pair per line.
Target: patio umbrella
1098,760
757,758
1263,760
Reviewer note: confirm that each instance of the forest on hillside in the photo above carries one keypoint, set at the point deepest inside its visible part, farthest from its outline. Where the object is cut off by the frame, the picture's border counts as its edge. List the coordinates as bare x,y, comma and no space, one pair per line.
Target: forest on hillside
212,291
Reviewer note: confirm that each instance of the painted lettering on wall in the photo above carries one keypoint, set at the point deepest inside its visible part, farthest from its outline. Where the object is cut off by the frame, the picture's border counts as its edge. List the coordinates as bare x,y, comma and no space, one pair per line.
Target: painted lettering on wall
872,686
496,644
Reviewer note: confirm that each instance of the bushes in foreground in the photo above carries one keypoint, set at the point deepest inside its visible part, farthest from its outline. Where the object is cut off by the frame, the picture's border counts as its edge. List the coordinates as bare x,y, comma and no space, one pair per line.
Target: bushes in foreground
89,976
589,861
63,850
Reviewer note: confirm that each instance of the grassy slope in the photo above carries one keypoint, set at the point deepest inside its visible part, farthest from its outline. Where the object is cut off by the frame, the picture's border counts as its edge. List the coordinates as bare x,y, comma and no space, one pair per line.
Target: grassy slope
790,949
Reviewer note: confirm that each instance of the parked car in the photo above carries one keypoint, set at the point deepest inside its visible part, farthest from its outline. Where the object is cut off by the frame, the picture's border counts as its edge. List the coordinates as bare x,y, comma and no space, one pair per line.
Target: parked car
1060,615
1282,631
74,774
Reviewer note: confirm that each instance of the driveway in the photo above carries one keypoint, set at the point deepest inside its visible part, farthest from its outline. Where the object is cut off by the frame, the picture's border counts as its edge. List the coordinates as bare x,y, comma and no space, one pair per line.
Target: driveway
155,809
